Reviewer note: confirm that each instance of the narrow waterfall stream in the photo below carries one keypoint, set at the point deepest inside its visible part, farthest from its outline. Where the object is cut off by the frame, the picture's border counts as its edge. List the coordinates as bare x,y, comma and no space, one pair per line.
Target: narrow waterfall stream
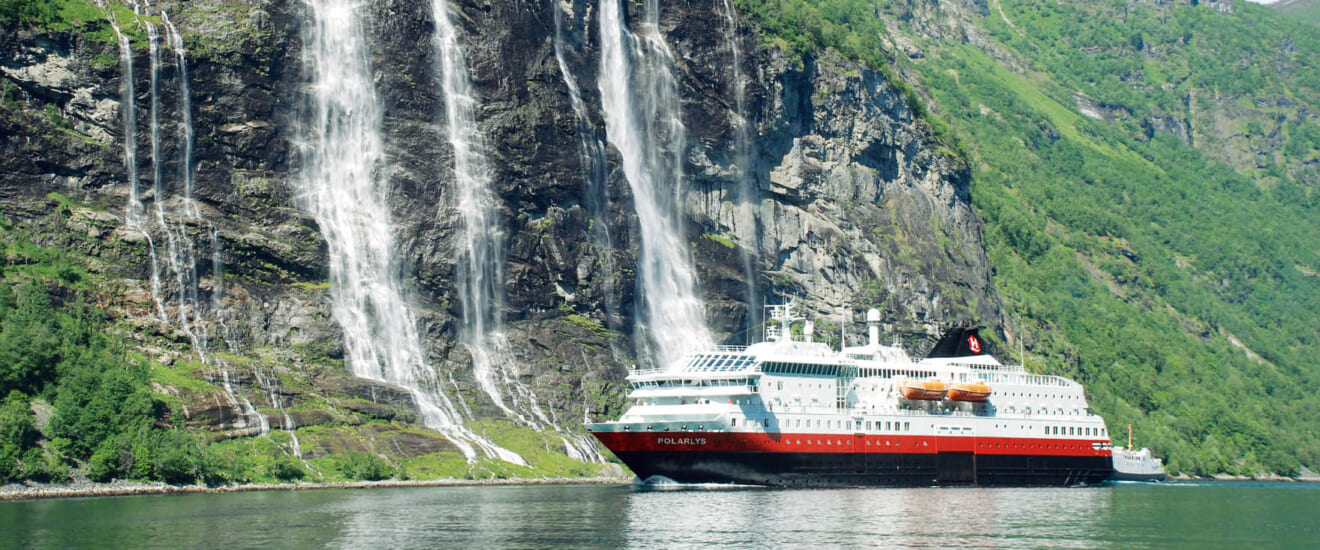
746,222
181,251
643,120
592,151
481,280
342,186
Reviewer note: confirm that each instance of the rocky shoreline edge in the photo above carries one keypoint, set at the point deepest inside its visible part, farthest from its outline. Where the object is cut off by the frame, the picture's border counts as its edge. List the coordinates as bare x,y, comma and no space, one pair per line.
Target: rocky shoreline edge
36,491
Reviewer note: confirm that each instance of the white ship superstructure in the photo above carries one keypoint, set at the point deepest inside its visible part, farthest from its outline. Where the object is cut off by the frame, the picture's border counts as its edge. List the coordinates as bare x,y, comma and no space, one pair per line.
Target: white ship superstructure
796,412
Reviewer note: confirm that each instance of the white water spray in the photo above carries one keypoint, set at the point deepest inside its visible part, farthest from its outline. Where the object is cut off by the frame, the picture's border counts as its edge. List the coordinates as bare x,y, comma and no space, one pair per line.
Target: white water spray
643,121
341,186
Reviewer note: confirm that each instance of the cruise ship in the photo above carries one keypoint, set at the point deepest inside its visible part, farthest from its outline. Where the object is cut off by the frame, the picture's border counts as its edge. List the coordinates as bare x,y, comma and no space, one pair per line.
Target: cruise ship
793,412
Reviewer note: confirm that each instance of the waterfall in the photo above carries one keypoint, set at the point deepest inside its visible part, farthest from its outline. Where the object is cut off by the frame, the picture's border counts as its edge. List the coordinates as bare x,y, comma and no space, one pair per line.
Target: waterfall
129,111
181,250
643,121
342,185
185,110
481,275
591,150
746,222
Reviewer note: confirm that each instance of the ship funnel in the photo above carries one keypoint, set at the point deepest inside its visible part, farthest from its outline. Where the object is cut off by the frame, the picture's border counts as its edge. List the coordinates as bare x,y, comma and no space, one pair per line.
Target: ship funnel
873,326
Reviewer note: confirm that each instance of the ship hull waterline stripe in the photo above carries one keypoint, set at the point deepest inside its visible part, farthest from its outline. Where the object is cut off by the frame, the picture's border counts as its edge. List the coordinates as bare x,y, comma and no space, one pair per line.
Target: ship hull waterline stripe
695,457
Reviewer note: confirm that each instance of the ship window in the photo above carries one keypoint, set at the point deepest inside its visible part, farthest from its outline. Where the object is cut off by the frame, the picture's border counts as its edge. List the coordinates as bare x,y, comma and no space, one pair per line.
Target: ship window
868,425
907,426
1070,431
766,422
1047,430
733,421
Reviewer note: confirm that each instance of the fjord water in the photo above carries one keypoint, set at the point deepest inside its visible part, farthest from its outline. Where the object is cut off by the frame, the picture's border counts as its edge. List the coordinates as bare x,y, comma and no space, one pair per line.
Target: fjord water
1125,516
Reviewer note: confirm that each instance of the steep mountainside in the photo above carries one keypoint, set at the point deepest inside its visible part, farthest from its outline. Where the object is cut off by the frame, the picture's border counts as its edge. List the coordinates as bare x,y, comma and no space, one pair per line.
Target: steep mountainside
330,239
360,240
1302,10
1147,172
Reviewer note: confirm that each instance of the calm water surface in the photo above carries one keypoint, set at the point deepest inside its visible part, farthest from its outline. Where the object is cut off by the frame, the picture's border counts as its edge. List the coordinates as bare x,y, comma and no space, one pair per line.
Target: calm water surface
1124,516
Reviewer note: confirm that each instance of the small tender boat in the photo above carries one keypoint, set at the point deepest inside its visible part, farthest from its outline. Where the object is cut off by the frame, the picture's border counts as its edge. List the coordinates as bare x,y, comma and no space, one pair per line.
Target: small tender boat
929,390
976,392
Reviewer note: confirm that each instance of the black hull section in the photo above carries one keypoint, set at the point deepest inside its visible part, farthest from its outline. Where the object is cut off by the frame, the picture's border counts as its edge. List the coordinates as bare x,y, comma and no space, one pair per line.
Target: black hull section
858,470
1120,476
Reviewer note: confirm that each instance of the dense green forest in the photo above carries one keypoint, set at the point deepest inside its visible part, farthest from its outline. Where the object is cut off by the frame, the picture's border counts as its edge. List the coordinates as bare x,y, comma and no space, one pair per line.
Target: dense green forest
1177,280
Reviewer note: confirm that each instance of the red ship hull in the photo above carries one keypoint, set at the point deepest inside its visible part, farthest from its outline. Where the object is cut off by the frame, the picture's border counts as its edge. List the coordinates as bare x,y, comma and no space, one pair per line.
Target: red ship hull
816,460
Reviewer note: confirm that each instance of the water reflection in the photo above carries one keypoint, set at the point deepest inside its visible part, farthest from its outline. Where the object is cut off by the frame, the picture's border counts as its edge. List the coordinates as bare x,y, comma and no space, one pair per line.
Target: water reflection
624,516
922,517
482,517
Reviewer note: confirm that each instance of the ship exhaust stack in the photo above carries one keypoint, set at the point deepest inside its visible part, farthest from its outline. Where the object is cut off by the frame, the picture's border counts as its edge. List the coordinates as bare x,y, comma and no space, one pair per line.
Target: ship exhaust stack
958,341
873,327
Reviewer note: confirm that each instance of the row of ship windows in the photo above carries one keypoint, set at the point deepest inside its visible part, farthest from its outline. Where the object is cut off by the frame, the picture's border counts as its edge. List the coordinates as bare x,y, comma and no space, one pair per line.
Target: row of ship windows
1062,446
797,423
1045,410
826,424
1042,396
1074,430
1068,430
719,363
729,382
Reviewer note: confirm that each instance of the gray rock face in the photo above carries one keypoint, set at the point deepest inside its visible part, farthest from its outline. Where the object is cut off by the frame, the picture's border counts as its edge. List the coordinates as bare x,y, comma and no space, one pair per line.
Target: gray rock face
855,204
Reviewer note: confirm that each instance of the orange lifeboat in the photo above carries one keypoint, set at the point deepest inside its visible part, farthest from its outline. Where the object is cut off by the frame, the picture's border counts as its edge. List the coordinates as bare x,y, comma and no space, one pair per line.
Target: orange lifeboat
930,390
976,392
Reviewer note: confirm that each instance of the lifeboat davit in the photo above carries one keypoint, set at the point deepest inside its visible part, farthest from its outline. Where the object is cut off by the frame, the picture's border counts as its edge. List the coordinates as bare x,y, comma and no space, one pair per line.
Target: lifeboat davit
930,390
976,392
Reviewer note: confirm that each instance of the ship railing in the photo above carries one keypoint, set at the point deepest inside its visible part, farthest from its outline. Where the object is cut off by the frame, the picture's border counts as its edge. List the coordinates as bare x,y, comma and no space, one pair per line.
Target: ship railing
856,411
1022,378
729,348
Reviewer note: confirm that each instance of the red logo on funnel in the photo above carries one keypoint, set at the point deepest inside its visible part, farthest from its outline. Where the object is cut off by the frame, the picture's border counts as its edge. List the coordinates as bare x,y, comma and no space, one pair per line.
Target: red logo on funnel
973,343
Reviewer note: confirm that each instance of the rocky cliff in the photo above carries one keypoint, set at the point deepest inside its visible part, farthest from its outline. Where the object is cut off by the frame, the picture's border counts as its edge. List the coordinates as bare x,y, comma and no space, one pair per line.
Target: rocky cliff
804,176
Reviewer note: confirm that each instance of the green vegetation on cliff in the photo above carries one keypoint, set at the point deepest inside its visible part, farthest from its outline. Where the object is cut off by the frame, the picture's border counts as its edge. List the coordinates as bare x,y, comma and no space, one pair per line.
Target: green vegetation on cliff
81,398
1148,179
54,349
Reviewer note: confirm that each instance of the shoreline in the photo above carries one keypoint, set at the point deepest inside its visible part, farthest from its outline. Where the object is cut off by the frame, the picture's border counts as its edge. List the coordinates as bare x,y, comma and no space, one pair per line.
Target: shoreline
17,492
1237,479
